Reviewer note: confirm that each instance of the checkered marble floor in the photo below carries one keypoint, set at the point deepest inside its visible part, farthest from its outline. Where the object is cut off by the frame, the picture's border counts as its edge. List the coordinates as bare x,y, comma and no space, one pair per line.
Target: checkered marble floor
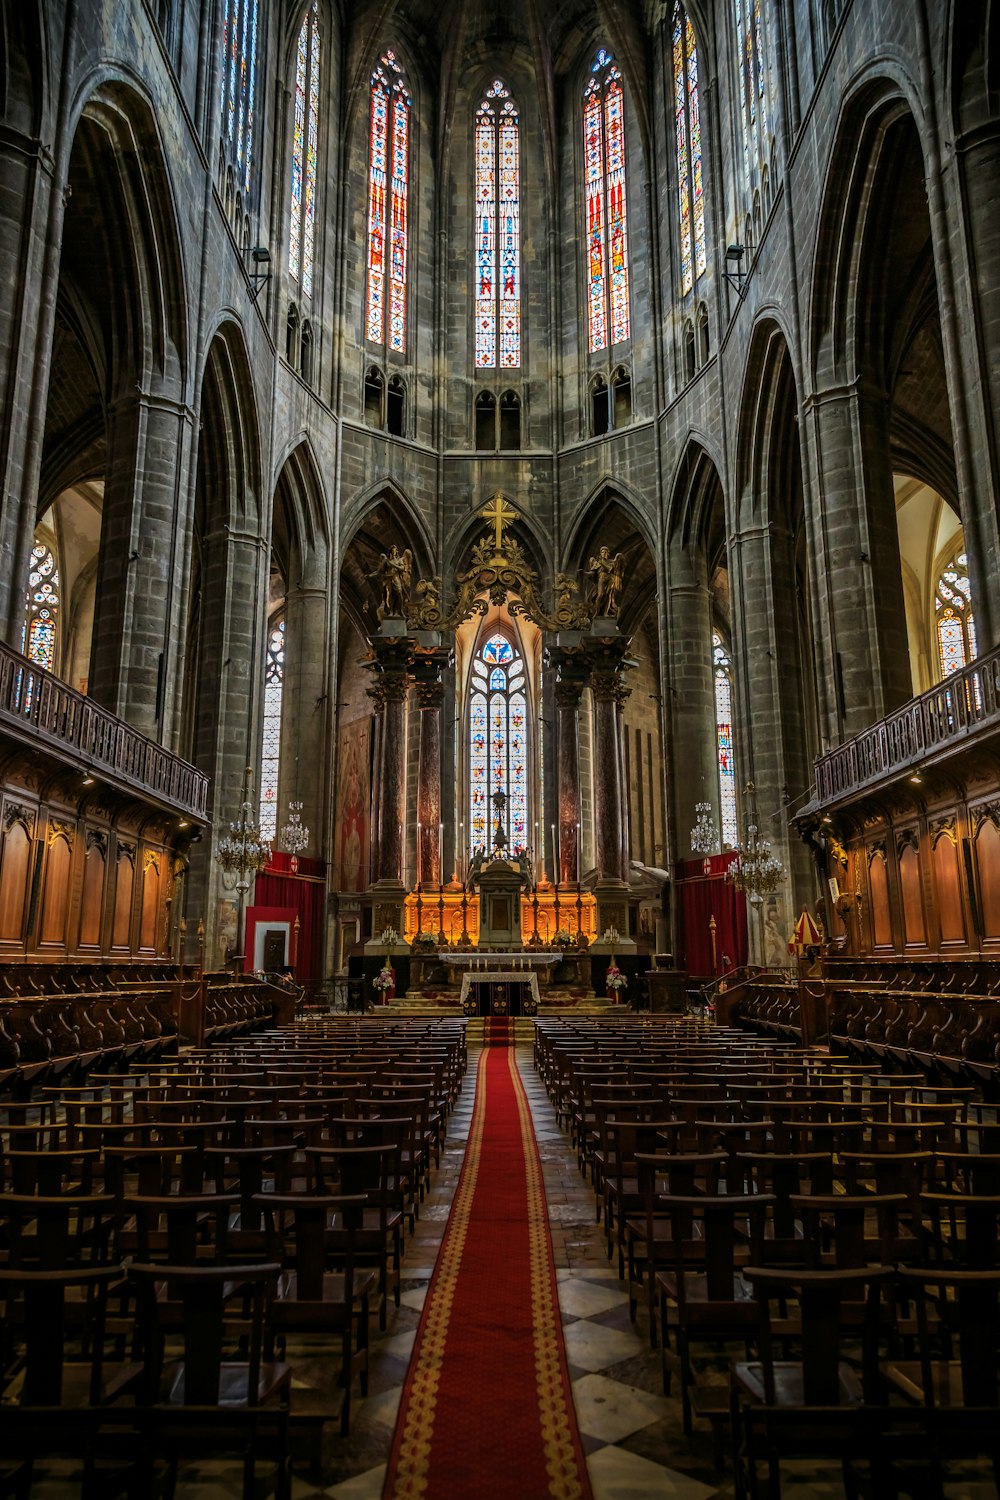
632,1434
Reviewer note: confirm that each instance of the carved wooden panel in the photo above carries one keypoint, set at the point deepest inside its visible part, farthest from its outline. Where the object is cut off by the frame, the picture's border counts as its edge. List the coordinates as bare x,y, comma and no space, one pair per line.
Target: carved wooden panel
914,926
95,866
56,885
15,872
878,885
149,917
121,927
948,888
988,862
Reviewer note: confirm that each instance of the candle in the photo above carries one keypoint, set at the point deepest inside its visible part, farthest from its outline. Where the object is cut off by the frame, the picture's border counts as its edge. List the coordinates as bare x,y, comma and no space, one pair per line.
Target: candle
578,841
440,852
555,856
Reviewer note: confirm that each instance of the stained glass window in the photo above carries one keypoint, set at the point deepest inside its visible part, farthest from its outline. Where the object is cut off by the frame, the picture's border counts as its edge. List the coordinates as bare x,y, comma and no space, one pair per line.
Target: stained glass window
687,128
40,635
388,204
954,620
274,682
724,742
305,128
751,60
238,90
607,213
498,231
498,744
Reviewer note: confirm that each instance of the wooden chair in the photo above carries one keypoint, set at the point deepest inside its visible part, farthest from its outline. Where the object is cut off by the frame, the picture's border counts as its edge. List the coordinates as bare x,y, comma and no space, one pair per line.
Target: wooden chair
815,1404
311,1234
369,1172
955,1389
189,1397
712,1301
58,1389
649,1235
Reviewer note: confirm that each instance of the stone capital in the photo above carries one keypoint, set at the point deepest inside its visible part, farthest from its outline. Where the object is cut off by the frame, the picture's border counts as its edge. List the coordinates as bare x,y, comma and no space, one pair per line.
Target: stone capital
429,694
568,692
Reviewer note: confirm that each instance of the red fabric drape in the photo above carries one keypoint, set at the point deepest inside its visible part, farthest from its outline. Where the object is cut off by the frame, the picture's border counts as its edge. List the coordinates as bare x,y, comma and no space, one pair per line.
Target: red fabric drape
703,896
304,889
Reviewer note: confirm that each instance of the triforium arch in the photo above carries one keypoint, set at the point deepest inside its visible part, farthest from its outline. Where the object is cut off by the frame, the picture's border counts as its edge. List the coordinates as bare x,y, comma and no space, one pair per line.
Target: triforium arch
771,571
109,405
698,605
298,599
882,402
377,733
227,581
612,524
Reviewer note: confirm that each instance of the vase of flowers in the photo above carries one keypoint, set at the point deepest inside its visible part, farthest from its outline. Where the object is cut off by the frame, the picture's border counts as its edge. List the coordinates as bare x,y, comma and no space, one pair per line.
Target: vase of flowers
383,982
615,981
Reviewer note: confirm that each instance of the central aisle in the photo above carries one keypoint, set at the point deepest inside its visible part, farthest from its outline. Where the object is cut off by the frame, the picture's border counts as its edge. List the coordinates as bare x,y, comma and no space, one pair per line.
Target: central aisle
487,1407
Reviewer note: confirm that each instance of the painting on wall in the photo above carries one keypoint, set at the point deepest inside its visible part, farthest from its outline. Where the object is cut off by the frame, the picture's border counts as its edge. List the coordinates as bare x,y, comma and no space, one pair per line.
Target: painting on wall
353,801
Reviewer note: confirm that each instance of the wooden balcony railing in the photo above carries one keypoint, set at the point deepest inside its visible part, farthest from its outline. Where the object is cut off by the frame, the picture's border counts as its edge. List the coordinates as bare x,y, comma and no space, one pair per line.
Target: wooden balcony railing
40,708
963,705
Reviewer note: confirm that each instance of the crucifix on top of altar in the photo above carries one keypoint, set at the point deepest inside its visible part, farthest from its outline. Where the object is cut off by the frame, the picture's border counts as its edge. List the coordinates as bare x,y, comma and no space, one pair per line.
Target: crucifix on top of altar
506,891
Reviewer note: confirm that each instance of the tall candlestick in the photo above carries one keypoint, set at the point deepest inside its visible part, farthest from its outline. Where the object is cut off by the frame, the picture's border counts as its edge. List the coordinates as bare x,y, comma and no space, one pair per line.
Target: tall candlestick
555,856
441,851
578,839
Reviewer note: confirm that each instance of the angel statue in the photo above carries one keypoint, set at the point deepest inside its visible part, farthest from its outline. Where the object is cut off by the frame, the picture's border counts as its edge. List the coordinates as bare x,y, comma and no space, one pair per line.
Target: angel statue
609,574
393,578
428,608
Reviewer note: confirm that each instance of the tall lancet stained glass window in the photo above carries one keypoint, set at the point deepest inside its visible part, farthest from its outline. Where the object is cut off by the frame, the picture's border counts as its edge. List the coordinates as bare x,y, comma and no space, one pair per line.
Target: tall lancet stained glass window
724,742
498,231
39,638
687,124
607,209
388,205
305,130
498,745
238,90
270,755
954,622
751,62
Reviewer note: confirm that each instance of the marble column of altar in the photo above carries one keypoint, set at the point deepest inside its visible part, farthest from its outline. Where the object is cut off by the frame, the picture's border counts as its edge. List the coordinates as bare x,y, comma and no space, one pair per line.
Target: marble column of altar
604,684
429,695
568,691
392,785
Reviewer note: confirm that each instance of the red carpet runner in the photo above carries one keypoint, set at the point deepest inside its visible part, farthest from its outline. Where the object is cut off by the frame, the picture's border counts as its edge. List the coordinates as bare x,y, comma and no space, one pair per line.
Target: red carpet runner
487,1411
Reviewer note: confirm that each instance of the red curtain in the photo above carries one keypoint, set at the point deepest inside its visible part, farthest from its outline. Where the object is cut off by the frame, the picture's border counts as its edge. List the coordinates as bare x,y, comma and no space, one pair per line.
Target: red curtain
703,896
302,886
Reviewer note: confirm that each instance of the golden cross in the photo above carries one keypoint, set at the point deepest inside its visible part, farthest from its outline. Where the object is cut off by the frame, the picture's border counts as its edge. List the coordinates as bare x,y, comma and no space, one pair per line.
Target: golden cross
498,513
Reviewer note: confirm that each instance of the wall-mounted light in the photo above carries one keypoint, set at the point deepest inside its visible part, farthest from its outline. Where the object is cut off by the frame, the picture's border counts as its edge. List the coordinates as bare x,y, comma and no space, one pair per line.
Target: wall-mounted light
734,272
259,270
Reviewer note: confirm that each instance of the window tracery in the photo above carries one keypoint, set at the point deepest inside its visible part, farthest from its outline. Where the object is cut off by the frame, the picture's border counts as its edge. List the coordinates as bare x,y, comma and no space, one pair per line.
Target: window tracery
606,204
305,130
955,625
388,205
498,231
687,125
270,758
498,743
238,91
754,89
40,635
722,665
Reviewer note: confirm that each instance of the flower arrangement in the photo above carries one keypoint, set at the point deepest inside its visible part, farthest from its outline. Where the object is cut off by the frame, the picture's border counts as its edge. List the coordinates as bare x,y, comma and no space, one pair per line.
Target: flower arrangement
615,980
384,979
561,939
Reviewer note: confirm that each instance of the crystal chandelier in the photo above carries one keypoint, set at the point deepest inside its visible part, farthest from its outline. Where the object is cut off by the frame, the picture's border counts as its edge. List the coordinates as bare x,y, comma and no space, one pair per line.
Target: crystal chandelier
294,835
244,849
704,834
755,870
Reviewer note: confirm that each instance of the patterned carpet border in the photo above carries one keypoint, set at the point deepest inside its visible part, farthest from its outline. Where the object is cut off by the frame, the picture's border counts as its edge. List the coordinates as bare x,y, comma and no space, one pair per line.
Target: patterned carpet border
541,1446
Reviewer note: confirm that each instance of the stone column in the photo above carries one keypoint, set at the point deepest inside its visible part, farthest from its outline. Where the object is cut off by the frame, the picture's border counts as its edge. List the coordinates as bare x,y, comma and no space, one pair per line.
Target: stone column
429,853
392,780
692,701
568,691
622,694
138,588
604,684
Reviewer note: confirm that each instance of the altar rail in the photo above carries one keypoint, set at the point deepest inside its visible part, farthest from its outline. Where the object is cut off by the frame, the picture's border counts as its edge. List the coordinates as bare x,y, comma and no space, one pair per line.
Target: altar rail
40,708
948,713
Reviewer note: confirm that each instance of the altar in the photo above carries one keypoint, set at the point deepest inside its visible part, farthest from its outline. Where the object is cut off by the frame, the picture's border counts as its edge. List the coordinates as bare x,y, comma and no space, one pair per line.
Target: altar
500,992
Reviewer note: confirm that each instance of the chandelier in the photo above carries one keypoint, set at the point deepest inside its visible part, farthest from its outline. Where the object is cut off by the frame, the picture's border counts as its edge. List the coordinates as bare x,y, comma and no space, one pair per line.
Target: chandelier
704,834
294,835
244,849
754,870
